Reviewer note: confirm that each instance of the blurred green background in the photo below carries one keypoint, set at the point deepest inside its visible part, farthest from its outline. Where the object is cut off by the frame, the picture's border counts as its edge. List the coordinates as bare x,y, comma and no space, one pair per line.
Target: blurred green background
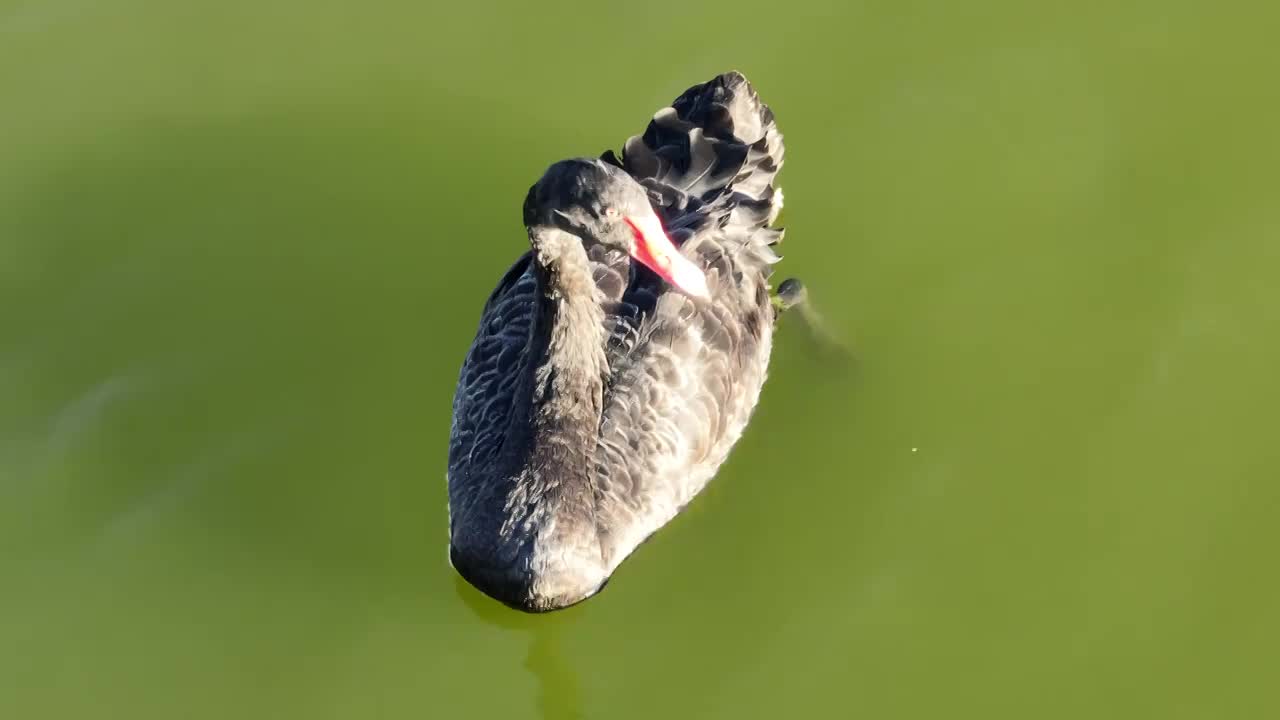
243,246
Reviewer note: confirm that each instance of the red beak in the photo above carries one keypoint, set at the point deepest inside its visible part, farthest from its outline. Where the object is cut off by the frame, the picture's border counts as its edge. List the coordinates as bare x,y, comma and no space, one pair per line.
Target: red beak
656,251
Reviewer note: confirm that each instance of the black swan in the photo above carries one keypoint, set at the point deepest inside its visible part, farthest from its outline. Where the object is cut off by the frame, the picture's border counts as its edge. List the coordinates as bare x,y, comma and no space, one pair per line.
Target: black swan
619,360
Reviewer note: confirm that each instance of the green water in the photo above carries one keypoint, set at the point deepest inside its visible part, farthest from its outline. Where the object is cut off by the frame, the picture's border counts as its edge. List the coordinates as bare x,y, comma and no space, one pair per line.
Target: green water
243,246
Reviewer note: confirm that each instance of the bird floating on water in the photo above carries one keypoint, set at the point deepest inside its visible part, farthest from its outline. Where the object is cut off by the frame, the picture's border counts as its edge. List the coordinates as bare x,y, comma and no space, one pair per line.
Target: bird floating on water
619,360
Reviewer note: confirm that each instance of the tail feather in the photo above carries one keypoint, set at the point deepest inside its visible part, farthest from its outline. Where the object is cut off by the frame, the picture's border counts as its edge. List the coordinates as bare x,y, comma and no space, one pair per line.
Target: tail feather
715,136
716,145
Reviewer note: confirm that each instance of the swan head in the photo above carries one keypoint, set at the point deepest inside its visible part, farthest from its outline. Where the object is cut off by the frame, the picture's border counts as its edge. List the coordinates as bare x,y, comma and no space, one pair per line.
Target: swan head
596,202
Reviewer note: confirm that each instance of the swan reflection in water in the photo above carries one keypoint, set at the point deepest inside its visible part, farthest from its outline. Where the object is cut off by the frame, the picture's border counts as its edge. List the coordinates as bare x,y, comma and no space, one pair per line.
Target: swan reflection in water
559,691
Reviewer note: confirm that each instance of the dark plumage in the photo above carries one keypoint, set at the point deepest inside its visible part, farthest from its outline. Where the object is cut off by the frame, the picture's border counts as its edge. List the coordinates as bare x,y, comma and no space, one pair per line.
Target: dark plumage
597,398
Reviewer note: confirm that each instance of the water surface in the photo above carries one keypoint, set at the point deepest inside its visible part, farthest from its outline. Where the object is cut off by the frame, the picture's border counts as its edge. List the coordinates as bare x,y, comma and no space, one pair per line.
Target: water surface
243,246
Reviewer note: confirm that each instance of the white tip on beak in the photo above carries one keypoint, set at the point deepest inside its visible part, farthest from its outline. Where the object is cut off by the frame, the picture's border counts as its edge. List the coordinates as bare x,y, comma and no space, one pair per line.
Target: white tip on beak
689,277
656,251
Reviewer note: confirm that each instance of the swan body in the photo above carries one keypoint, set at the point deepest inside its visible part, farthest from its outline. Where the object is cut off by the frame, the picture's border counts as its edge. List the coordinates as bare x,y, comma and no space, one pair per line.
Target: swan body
618,361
